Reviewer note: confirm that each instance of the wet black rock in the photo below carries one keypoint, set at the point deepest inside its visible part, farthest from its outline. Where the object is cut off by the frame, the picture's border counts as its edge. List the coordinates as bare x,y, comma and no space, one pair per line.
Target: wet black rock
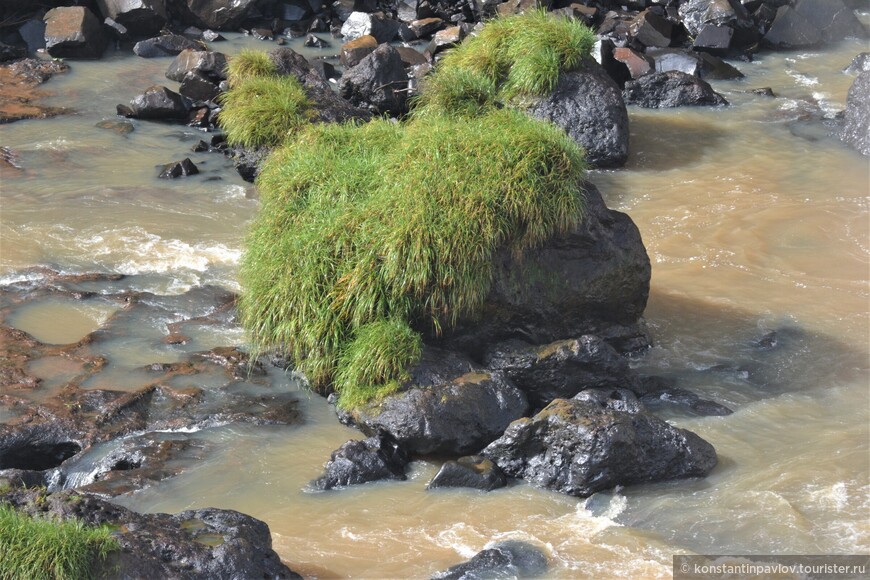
139,18
9,52
378,83
196,544
165,45
376,458
354,51
716,16
588,105
655,392
560,369
651,29
671,89
74,32
181,168
213,65
197,87
316,42
449,406
856,129
473,471
809,23
160,103
506,559
593,279
700,64
212,14
583,445
329,106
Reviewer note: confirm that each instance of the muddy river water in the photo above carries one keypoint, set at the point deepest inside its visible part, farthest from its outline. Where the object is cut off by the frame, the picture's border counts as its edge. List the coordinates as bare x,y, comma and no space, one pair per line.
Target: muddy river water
755,220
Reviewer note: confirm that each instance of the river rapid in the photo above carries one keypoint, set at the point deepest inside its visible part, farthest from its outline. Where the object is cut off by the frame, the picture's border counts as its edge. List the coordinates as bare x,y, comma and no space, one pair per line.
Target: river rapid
755,220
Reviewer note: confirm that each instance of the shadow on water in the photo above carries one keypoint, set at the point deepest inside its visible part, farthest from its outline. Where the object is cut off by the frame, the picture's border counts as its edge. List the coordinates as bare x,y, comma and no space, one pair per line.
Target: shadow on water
663,140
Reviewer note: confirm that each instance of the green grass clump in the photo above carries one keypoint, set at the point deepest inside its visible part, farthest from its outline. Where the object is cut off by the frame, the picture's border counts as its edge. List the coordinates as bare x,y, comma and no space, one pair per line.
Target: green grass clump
367,230
375,363
35,549
264,111
521,56
249,64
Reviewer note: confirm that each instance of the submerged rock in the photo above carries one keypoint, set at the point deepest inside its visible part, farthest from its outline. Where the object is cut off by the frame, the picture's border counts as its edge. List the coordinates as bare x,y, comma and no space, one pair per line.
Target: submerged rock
159,103
473,471
195,544
856,129
165,45
449,406
373,459
589,107
506,559
181,168
671,89
583,445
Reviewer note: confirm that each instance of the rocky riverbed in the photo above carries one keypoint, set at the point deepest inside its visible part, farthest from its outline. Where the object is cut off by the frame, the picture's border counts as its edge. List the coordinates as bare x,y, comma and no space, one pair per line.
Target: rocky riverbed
541,354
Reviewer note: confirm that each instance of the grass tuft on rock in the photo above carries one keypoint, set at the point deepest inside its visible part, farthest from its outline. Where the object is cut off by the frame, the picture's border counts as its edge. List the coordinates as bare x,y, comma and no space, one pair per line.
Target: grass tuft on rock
249,64
35,549
264,111
368,230
521,56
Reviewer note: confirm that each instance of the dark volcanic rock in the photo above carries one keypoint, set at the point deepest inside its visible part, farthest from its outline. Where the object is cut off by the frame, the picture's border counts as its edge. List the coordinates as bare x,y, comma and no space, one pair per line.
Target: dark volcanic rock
181,168
449,406
329,106
74,32
507,559
9,52
701,64
697,15
859,64
671,89
588,105
560,369
140,18
197,87
196,544
655,392
213,65
473,471
160,103
580,446
378,83
811,23
651,29
373,459
361,24
212,14
591,280
354,51
165,45
636,63
856,129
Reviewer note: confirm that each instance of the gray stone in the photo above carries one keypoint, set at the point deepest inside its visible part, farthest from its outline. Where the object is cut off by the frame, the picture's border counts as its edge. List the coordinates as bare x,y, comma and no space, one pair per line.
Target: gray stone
213,65
506,559
378,83
141,18
811,23
376,458
164,45
472,471
74,32
361,23
859,64
671,89
856,129
213,14
160,103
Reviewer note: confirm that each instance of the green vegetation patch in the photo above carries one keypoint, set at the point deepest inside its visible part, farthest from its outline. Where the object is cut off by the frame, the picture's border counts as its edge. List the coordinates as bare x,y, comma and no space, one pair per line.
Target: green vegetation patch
368,230
264,110
249,64
513,57
35,549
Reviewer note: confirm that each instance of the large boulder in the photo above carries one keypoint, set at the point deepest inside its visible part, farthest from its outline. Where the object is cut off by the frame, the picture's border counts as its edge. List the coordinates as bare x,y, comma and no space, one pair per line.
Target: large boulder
809,23
74,32
212,14
588,105
560,369
164,45
196,544
141,18
671,89
378,83
593,279
362,23
329,106
373,459
856,129
471,471
449,406
590,443
698,15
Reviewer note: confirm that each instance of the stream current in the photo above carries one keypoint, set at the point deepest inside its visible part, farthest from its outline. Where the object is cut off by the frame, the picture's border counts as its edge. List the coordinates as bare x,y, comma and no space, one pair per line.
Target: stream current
755,220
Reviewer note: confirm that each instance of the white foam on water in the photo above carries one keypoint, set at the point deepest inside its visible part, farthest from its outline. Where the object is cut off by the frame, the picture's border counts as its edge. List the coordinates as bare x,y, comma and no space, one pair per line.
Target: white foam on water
803,79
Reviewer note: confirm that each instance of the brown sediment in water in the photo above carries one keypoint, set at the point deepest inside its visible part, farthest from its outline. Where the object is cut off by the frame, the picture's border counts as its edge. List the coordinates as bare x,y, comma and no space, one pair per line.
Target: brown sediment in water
19,97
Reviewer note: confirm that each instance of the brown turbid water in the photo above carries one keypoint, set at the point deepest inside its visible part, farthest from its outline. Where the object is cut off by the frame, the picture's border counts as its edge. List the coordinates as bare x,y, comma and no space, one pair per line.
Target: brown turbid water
755,219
